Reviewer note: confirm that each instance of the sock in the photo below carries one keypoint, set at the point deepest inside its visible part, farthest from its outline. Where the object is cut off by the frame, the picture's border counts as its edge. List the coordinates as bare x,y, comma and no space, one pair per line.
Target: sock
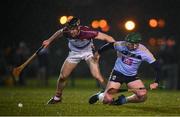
126,99
121,100
56,98
101,97
129,98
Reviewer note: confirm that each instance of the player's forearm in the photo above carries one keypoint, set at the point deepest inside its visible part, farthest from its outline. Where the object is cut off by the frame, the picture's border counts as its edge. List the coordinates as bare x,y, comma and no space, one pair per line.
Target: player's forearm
106,47
109,39
157,69
55,36
104,37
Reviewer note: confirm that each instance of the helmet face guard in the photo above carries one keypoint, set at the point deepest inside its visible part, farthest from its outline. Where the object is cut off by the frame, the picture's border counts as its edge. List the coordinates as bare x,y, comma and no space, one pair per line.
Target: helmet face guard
133,38
73,23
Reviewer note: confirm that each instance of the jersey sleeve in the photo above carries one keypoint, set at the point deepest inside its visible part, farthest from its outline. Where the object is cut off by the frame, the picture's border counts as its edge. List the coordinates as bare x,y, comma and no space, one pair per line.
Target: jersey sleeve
90,33
148,56
118,45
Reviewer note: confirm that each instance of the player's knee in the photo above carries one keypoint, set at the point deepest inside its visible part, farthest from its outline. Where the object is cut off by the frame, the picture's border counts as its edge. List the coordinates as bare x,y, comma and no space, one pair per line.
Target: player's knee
63,76
141,93
107,99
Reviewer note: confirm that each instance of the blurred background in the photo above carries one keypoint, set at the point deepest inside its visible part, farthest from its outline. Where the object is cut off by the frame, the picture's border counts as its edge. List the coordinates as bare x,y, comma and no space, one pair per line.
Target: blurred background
26,23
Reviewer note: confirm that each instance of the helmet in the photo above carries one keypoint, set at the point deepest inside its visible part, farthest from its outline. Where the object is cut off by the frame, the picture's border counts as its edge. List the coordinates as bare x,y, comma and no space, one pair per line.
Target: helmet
133,37
72,23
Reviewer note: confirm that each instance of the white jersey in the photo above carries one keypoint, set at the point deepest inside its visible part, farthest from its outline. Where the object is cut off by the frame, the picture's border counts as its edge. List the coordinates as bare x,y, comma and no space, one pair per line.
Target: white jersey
80,45
128,61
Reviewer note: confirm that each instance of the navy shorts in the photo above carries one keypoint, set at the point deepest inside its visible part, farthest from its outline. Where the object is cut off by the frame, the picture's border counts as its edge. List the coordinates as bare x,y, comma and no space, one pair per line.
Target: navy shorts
121,78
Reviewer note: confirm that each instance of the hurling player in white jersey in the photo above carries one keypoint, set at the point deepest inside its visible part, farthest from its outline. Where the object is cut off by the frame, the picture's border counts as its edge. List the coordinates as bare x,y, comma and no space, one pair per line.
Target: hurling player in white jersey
130,54
80,44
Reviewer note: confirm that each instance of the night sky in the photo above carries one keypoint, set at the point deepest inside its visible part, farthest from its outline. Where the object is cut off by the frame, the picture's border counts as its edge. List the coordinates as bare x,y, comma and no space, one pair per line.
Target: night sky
33,21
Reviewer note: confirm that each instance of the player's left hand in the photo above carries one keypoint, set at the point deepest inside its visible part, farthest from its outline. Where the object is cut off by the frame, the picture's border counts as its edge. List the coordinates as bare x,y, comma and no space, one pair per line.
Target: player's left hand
153,85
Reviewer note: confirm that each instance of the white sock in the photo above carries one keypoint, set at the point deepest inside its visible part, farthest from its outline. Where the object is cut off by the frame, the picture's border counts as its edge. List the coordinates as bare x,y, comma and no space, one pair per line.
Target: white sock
56,98
101,97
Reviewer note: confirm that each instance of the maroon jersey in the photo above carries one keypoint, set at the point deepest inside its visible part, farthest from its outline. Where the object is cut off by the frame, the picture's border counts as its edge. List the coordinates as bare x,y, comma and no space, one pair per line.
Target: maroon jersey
83,41
85,33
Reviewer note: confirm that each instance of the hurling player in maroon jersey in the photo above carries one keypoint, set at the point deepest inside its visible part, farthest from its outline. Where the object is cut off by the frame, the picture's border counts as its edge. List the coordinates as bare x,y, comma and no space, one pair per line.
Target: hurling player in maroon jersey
80,44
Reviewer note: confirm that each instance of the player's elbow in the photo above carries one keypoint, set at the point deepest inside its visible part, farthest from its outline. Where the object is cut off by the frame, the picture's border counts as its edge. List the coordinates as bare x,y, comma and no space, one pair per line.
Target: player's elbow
156,65
110,39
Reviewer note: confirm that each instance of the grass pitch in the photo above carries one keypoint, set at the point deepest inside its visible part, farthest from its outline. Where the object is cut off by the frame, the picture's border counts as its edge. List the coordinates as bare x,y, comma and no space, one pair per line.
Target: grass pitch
75,102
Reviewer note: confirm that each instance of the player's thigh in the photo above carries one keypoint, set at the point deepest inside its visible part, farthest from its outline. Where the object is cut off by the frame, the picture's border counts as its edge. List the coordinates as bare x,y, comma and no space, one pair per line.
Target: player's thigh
137,84
67,68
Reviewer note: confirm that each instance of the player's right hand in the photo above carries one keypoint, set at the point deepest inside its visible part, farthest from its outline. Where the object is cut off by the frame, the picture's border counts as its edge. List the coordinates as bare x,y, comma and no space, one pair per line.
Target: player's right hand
46,43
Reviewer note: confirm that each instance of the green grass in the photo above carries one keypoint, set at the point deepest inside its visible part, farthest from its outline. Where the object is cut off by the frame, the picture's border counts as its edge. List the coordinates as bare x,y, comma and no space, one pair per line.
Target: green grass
75,102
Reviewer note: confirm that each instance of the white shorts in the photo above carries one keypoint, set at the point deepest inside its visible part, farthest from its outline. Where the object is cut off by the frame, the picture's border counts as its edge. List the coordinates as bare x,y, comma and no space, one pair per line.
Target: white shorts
76,57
